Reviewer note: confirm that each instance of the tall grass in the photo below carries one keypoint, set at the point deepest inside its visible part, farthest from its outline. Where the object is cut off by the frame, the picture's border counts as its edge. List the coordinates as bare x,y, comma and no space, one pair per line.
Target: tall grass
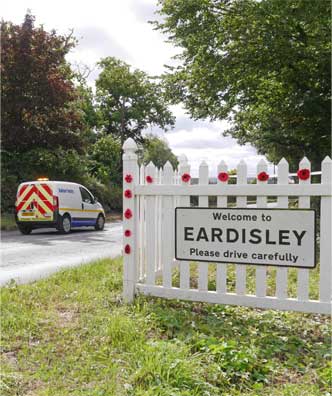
72,335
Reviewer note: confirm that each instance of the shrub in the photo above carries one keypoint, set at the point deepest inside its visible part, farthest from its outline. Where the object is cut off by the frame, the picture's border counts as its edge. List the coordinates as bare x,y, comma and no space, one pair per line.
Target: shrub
8,193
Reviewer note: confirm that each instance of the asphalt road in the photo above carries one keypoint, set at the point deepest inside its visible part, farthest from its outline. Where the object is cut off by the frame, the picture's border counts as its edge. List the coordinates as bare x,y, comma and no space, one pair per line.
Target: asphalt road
26,258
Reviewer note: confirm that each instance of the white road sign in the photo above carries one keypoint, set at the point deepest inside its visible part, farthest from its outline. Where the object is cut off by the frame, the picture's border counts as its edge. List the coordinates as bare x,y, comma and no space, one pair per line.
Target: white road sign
280,237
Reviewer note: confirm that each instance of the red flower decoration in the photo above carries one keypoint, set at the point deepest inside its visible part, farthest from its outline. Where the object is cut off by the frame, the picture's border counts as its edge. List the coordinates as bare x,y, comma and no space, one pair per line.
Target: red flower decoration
128,178
127,233
303,174
186,177
149,179
223,176
263,176
127,249
128,214
128,194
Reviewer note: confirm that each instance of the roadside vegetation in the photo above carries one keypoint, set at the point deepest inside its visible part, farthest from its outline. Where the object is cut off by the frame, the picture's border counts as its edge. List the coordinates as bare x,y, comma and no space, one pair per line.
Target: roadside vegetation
55,125
7,222
71,335
241,61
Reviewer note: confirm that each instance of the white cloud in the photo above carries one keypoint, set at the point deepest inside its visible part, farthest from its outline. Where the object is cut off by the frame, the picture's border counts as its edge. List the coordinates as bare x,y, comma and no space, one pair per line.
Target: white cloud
114,25
208,144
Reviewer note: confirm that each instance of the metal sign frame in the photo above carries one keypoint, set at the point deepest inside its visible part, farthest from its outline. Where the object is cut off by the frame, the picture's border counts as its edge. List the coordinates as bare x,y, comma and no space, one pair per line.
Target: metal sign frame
230,261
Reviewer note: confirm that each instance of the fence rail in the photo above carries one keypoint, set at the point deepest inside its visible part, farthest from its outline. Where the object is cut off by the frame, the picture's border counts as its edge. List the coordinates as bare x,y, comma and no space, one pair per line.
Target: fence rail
149,263
236,190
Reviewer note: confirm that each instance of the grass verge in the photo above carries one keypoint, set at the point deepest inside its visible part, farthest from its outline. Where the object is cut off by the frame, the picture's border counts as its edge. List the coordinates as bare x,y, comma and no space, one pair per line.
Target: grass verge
71,335
8,222
113,216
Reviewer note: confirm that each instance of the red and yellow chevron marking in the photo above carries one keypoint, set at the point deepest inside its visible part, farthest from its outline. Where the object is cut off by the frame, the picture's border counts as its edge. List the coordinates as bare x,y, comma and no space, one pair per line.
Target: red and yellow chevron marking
40,196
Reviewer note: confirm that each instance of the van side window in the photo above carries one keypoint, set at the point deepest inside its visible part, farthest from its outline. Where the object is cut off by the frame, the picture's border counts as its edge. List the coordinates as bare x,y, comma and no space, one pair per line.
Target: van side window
86,196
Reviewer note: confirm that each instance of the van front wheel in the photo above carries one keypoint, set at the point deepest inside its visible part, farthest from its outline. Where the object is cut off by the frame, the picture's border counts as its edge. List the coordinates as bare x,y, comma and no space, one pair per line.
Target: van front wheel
100,223
65,225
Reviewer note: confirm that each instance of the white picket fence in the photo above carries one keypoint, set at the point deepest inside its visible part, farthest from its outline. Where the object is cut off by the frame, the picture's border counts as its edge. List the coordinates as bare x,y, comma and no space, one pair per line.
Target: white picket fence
149,263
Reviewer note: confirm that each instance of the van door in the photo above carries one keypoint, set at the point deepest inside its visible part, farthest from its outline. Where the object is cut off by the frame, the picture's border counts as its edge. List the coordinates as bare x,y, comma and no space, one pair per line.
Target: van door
45,202
89,213
34,202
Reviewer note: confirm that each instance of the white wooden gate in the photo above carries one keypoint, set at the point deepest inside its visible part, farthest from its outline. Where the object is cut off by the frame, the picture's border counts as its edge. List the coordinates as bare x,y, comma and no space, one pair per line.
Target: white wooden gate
150,198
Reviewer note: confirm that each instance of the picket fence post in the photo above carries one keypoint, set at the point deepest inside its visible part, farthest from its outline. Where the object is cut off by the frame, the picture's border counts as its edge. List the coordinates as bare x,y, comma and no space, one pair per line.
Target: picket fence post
325,287
303,273
130,179
261,203
151,223
167,230
282,202
203,201
184,168
241,202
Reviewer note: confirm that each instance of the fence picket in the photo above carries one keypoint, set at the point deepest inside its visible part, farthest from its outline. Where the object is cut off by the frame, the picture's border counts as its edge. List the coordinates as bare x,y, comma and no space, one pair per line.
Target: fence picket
184,201
236,190
151,228
221,280
138,235
167,228
159,219
241,202
261,203
282,202
303,273
203,201
325,286
142,272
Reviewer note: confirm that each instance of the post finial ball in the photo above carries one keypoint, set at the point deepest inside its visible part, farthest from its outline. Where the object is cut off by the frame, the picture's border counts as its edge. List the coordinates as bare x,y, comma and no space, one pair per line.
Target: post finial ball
129,145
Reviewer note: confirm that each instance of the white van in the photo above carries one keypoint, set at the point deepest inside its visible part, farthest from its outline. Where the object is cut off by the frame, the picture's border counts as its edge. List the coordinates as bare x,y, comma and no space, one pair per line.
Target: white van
55,204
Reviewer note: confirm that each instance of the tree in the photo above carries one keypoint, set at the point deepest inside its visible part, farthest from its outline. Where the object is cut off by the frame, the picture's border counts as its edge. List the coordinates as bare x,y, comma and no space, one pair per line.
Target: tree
86,102
129,101
39,100
56,164
263,65
157,151
106,160
45,116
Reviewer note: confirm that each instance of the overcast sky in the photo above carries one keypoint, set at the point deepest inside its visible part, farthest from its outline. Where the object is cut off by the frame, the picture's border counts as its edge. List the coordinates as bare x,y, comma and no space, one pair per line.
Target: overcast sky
121,29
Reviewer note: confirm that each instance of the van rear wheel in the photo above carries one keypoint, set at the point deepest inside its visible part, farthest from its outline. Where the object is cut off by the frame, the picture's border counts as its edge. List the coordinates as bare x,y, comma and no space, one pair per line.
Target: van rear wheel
65,225
100,223
24,229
